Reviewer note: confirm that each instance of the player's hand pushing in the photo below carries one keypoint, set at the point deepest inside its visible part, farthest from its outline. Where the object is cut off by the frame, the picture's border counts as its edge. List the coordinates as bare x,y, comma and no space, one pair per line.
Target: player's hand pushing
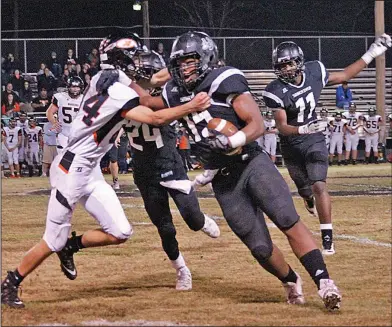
201,101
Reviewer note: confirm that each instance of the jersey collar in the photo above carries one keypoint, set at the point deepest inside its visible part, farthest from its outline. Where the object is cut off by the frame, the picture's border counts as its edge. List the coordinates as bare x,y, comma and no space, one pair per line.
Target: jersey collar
302,84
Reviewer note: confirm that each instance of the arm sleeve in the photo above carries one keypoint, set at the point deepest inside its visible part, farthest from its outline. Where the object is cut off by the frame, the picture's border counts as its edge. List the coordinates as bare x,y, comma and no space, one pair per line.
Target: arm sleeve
324,73
55,101
272,100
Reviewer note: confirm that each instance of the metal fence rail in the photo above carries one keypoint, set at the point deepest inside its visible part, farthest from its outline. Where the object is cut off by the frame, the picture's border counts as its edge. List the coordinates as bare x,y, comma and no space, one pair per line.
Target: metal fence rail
253,52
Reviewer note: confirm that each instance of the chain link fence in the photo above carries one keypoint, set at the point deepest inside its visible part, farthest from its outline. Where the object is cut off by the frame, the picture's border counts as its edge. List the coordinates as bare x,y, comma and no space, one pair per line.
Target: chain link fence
246,53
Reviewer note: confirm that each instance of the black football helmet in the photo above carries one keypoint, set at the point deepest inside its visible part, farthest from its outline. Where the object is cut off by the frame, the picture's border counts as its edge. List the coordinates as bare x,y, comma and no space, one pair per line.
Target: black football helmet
338,116
324,112
75,86
288,53
192,45
147,64
118,49
372,111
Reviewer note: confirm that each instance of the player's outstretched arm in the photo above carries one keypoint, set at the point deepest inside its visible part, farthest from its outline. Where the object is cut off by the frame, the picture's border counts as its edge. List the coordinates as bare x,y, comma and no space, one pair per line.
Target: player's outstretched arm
285,129
247,109
50,113
144,114
145,99
380,45
160,78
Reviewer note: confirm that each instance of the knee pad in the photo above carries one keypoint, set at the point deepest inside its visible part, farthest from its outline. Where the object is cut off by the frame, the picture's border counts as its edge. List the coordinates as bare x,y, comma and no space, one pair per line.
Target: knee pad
56,236
122,232
167,231
317,156
305,192
262,252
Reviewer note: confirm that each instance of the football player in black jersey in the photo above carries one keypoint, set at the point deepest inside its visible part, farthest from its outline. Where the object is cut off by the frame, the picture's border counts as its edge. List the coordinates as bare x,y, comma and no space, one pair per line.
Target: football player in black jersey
158,172
294,96
245,184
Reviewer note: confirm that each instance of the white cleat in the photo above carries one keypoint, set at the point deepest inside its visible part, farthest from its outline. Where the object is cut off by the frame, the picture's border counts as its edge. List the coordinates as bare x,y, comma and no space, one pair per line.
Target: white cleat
184,279
330,294
294,292
328,249
210,227
116,185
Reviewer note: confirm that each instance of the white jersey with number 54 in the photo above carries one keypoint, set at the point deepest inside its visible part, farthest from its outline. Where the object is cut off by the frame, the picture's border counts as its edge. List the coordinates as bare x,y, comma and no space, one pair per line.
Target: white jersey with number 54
100,117
68,107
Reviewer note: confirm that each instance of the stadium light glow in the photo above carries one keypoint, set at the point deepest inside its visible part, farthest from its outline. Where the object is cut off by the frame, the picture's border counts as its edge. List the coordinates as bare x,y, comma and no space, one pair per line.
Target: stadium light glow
137,6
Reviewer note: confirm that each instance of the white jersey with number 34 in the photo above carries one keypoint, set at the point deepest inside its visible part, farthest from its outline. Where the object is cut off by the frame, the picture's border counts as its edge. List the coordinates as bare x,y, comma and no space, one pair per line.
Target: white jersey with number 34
100,117
68,108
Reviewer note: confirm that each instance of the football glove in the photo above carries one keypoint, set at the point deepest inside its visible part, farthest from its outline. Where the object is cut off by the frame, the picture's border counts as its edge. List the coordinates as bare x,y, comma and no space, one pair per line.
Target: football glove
377,48
314,126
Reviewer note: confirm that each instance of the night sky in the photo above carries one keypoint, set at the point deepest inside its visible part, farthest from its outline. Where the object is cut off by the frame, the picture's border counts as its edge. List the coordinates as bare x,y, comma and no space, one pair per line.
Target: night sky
278,17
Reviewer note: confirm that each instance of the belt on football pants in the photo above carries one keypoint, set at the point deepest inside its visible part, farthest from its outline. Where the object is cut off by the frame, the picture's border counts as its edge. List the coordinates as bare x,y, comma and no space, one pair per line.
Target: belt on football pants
66,161
238,163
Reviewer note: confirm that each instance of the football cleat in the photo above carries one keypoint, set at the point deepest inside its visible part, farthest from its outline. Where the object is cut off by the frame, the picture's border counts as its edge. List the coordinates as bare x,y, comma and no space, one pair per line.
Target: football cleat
116,185
210,227
330,294
328,248
310,206
294,294
184,279
67,262
9,294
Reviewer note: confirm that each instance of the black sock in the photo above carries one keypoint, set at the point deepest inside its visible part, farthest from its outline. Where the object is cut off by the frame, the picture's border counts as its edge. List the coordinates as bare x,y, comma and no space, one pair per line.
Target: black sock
314,264
115,180
15,277
326,235
291,277
75,243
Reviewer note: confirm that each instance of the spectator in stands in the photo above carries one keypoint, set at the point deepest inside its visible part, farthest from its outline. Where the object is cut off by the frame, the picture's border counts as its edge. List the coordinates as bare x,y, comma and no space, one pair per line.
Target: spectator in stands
42,102
84,71
26,94
343,96
221,63
63,80
93,61
17,81
184,149
70,59
161,50
5,77
50,147
54,65
48,81
72,69
11,64
87,79
41,70
9,89
11,107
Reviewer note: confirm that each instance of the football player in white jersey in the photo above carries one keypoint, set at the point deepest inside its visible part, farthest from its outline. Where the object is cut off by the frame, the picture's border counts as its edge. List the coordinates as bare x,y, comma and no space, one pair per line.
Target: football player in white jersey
354,120
34,143
338,128
13,139
371,127
67,105
270,135
327,131
23,123
75,174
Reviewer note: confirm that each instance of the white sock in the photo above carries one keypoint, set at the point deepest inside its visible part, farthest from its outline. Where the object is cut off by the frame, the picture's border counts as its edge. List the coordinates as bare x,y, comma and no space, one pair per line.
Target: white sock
325,226
179,262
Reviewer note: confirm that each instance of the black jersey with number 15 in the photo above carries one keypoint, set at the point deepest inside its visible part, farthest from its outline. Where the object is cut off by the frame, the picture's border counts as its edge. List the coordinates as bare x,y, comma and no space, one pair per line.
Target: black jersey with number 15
299,101
222,85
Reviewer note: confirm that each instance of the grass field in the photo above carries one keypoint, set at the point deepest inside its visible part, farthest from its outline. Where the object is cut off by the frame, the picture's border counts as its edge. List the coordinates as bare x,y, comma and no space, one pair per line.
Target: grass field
133,284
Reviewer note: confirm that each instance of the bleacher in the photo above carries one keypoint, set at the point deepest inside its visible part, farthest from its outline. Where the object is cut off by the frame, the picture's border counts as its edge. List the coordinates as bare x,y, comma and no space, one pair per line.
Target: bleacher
363,88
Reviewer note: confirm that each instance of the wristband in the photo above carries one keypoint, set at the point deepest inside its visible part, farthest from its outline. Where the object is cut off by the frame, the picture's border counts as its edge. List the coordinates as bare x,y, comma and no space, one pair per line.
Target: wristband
303,129
238,139
368,58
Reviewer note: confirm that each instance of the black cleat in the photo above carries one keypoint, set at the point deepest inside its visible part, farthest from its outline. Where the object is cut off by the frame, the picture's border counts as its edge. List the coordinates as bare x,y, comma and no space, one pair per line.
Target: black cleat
67,262
310,206
9,294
